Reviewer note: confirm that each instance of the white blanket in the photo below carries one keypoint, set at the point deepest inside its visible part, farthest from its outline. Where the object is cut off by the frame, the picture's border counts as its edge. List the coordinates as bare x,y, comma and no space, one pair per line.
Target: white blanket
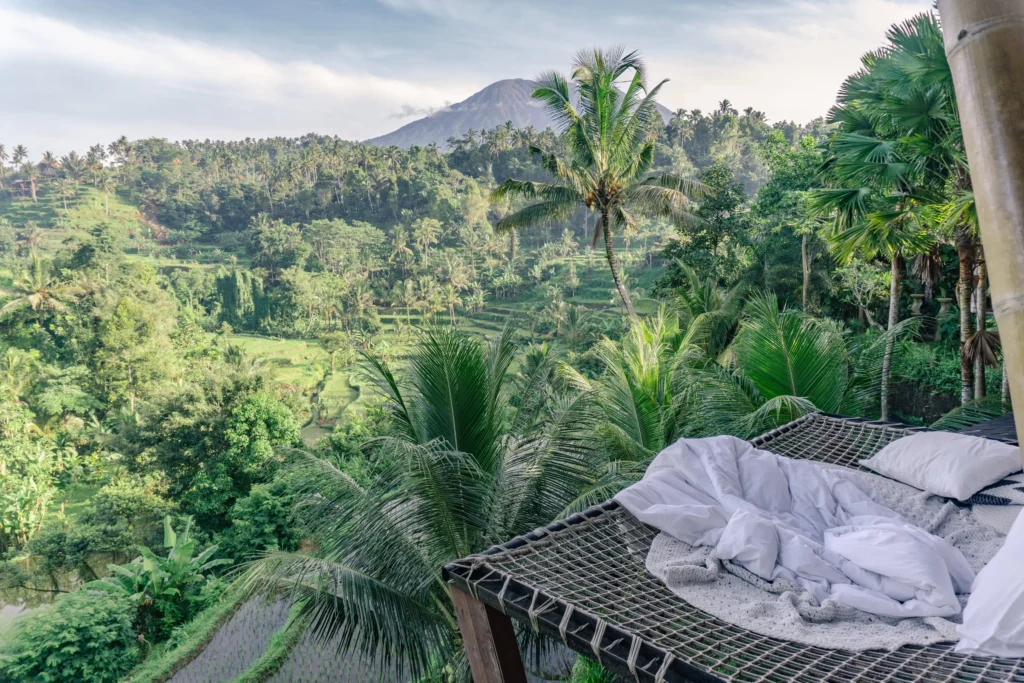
781,518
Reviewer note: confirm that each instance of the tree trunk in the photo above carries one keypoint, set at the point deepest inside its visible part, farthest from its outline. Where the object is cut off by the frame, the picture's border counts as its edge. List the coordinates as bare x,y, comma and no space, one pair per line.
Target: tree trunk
979,358
32,185
805,264
894,314
1006,385
965,251
610,254
983,41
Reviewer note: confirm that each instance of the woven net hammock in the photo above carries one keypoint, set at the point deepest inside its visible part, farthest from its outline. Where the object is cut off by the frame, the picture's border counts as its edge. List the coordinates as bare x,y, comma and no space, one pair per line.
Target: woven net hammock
583,582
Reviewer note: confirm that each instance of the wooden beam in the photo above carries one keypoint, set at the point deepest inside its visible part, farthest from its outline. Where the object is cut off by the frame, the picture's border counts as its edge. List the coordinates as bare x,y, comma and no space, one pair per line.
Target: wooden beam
489,639
985,46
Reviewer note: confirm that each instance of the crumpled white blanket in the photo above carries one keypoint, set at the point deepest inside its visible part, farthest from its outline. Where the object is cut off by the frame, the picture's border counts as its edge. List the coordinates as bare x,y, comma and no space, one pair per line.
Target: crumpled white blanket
787,519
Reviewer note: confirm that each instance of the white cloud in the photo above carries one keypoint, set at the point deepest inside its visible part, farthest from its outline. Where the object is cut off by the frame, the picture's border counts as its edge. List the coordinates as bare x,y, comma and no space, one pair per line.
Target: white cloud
790,72
32,43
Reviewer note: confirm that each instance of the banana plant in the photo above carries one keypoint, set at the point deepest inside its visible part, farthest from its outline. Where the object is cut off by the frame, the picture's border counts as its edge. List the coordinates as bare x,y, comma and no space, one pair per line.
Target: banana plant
164,584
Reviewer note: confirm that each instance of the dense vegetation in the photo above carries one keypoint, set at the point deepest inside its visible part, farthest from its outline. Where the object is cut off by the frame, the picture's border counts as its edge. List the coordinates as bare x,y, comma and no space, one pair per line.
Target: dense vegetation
328,353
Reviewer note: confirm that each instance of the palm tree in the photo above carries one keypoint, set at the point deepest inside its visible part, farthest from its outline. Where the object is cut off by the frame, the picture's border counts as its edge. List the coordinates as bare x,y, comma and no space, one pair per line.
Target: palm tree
610,137
37,288
637,400
712,309
426,231
31,173
106,184
784,364
48,164
879,195
400,250
66,188
459,469
3,155
904,97
19,154
450,295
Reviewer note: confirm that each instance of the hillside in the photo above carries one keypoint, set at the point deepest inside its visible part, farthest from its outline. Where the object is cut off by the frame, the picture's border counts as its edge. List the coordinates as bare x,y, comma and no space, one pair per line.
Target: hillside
507,100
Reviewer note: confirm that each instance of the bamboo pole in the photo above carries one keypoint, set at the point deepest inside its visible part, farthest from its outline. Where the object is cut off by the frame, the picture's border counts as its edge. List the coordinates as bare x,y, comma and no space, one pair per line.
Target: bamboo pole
985,46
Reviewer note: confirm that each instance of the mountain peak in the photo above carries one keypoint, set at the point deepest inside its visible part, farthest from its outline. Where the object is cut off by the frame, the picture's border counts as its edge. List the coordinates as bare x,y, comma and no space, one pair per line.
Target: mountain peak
506,100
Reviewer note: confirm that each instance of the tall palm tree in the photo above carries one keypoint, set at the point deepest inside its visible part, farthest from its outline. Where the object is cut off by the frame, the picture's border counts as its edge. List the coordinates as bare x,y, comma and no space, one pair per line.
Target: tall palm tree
904,97
459,469
19,154
610,137
3,155
66,187
107,184
31,173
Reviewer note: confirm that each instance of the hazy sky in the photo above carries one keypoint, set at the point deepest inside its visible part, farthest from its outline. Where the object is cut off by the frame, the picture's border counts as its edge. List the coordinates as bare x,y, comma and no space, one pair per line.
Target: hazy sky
77,72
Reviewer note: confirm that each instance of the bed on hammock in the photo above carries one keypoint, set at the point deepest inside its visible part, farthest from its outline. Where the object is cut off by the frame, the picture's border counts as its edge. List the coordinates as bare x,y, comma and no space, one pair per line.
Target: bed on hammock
582,581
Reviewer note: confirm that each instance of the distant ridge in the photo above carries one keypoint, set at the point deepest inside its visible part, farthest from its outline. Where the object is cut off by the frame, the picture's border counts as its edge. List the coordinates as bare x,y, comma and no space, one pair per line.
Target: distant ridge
507,100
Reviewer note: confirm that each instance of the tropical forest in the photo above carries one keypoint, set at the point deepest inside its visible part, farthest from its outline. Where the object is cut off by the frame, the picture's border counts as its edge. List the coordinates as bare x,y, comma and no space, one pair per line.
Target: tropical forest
256,393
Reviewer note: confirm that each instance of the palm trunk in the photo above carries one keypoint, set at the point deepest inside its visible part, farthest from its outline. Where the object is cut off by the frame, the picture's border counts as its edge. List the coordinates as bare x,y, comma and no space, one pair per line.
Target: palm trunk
805,264
982,41
609,251
965,251
894,312
1006,386
979,358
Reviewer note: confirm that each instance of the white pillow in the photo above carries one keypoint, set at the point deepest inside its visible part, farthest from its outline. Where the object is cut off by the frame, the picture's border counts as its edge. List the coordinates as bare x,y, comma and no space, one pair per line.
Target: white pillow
946,464
994,616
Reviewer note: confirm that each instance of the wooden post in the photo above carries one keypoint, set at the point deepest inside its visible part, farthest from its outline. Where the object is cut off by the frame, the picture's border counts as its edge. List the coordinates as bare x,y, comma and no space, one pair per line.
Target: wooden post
489,639
985,46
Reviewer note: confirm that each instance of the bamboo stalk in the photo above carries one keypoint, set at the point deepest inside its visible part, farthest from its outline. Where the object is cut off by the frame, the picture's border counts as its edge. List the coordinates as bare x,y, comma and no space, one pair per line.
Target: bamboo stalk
985,45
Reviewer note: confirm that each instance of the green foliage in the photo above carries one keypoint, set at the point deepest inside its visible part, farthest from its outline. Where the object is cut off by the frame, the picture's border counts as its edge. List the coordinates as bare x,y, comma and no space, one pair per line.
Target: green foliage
260,521
27,466
84,636
169,590
466,468
714,244
611,140
587,671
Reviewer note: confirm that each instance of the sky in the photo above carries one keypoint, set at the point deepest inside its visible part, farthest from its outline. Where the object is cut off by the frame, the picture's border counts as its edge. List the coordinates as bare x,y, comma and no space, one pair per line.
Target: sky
76,73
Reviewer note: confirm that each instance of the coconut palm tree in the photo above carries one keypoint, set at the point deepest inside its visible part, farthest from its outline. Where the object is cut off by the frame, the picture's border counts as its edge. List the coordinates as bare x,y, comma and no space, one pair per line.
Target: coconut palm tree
19,154
107,184
610,137
37,288
31,173
783,364
66,187
459,469
638,401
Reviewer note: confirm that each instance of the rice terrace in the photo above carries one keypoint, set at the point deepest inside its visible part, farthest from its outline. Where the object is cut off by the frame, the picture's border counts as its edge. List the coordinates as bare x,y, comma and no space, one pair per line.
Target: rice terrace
447,341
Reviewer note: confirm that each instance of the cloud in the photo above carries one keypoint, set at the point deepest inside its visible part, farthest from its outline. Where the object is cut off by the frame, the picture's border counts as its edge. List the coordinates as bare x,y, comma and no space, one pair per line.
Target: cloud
790,66
408,111
40,48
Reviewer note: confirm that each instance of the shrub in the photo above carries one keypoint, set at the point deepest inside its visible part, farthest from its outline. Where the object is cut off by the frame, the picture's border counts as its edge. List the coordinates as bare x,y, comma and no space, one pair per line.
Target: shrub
84,636
260,521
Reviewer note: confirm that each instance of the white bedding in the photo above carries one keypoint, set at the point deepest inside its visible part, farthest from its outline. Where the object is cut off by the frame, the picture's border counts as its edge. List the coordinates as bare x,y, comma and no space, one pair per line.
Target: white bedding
792,520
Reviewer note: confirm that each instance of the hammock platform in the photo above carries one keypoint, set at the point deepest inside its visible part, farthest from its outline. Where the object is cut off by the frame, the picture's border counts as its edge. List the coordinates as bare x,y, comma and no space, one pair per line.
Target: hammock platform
582,581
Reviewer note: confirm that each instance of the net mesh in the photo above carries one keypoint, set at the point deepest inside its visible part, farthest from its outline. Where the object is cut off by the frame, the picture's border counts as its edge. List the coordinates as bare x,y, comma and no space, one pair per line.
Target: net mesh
583,581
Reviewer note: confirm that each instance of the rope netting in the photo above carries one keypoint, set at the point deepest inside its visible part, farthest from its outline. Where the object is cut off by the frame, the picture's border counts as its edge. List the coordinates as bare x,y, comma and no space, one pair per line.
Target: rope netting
583,581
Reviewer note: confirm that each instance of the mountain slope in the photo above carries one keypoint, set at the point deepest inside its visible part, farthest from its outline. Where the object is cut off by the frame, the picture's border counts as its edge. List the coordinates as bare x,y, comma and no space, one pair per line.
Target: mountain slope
507,100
